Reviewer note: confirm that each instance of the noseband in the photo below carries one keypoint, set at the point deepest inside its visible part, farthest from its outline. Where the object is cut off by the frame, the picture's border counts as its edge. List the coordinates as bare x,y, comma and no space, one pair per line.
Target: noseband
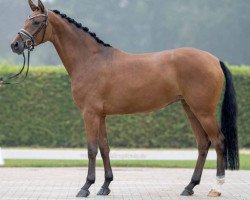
29,44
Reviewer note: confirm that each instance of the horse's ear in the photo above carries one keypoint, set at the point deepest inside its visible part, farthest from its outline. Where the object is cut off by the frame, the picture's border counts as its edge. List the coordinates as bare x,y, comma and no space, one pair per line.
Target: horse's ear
41,6
32,5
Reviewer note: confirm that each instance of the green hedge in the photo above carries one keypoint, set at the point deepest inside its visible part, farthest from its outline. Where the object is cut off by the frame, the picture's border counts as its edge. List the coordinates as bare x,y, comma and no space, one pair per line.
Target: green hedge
41,113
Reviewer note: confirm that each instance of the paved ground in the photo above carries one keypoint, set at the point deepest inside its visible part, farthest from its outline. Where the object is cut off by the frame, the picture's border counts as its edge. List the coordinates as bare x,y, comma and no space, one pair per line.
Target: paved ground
129,184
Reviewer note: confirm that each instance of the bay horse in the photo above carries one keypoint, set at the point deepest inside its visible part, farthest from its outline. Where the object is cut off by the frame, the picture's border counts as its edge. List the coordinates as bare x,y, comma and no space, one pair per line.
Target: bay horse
107,81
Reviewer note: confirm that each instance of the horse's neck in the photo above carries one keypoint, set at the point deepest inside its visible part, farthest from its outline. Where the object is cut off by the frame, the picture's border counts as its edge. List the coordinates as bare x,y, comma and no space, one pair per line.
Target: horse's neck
73,45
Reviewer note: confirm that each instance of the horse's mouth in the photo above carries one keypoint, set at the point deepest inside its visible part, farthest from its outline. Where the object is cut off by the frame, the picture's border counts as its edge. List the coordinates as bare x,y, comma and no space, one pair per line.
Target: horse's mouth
18,47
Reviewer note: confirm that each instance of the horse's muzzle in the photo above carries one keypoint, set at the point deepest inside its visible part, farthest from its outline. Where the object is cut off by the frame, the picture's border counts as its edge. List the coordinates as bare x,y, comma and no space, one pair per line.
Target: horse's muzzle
18,47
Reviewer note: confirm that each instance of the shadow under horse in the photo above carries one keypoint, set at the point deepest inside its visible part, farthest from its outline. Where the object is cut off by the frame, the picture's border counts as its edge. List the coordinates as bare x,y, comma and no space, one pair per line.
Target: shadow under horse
107,81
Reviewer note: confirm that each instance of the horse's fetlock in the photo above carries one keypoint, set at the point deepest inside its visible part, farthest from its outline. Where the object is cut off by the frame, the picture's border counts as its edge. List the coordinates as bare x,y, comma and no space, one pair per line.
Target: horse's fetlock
91,180
195,181
109,177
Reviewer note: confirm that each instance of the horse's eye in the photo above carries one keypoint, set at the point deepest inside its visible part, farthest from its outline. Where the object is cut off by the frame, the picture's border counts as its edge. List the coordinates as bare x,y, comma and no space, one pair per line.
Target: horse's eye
36,23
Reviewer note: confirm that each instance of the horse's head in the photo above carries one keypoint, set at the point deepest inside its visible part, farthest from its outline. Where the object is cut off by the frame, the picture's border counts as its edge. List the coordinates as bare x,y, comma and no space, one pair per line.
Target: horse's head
36,29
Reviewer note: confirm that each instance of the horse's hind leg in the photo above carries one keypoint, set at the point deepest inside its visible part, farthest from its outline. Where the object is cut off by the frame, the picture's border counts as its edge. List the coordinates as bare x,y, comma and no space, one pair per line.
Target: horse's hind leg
210,125
203,144
104,149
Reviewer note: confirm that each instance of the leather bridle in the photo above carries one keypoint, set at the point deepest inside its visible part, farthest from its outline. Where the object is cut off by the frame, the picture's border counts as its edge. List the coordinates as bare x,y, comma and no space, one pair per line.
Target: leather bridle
29,44
30,41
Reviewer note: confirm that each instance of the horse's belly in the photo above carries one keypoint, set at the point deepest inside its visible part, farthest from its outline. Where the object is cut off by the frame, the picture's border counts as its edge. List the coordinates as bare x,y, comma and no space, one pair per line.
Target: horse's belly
129,100
143,108
142,85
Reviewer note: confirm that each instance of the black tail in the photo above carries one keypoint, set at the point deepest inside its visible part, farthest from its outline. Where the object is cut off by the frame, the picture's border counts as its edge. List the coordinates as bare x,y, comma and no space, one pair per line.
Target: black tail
229,122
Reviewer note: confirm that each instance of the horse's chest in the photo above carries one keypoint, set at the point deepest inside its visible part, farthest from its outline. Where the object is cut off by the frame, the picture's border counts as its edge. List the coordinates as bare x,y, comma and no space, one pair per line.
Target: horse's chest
86,95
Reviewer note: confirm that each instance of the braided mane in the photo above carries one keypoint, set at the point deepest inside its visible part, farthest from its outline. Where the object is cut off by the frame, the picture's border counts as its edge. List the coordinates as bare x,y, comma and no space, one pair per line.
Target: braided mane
80,26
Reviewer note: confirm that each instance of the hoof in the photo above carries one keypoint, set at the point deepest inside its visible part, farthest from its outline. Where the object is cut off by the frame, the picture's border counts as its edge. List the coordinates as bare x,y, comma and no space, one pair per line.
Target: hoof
104,192
187,192
83,193
214,193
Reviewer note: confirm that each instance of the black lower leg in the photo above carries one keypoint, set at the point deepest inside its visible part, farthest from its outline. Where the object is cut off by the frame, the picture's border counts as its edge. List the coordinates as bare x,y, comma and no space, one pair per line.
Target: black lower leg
108,176
203,144
219,147
104,148
105,187
107,182
88,184
84,192
188,191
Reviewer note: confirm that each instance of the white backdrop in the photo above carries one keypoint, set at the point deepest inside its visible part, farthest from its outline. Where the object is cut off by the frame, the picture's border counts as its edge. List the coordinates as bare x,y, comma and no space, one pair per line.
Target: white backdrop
1,158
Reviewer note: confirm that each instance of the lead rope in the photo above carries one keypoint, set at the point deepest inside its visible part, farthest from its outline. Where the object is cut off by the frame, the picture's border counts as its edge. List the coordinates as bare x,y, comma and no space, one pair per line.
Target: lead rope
16,76
30,48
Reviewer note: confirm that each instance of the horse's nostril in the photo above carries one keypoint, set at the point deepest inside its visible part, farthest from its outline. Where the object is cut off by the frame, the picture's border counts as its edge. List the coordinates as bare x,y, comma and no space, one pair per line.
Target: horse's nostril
16,45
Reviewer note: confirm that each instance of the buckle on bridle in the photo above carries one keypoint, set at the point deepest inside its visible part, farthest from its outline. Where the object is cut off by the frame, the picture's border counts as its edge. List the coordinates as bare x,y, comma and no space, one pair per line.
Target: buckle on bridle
29,44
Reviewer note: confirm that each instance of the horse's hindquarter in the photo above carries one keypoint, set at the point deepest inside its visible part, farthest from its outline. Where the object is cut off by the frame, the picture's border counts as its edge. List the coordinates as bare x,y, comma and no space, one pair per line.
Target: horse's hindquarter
200,78
140,83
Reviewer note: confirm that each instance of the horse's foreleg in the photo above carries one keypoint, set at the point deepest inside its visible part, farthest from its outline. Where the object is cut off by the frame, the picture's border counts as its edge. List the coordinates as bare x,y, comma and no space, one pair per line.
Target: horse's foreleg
104,148
92,124
203,145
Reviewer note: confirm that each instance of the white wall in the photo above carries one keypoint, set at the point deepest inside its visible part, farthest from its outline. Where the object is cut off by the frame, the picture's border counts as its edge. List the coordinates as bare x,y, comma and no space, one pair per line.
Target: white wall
1,158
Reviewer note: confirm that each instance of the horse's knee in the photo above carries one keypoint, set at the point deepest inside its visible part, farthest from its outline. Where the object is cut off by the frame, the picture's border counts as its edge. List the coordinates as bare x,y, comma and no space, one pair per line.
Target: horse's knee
92,151
104,148
105,153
